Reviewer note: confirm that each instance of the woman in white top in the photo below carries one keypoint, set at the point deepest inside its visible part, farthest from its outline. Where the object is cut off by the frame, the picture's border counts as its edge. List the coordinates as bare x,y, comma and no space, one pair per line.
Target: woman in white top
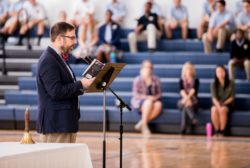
87,38
81,9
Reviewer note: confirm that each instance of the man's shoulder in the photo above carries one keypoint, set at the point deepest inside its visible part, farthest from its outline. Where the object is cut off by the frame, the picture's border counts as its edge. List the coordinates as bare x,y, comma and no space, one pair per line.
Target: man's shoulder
46,56
243,14
154,14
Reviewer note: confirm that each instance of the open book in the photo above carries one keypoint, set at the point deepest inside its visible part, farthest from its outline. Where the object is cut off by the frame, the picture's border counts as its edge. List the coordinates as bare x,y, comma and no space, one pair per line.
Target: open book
93,69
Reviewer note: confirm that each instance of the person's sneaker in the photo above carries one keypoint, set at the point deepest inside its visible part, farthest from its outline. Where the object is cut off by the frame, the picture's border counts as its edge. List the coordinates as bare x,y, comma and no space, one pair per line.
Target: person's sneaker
219,50
151,50
138,126
29,46
146,131
194,122
19,44
183,132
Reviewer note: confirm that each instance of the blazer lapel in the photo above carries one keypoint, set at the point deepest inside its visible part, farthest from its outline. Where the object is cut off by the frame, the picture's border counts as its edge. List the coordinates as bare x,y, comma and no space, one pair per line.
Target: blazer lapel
74,77
61,63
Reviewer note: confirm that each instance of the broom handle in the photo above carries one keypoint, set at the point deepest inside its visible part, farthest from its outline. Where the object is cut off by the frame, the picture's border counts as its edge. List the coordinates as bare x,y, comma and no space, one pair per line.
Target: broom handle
27,119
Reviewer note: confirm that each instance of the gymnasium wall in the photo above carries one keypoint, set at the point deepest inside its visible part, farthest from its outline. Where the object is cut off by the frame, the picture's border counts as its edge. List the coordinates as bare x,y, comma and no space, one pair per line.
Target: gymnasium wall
133,6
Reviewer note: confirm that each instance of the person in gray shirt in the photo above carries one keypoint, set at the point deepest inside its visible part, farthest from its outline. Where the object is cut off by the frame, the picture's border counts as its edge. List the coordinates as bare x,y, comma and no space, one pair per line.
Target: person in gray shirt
177,17
221,25
208,8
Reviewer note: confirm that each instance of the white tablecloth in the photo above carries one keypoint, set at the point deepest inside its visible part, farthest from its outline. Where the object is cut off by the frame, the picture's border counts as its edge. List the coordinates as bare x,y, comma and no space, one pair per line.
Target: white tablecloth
44,155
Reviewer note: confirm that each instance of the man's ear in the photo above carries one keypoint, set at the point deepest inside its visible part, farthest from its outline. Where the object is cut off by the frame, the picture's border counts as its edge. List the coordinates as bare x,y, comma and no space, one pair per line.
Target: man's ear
59,39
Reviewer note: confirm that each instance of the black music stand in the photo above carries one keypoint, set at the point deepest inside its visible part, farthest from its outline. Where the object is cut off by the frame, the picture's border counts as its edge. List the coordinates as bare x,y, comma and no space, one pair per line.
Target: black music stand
102,82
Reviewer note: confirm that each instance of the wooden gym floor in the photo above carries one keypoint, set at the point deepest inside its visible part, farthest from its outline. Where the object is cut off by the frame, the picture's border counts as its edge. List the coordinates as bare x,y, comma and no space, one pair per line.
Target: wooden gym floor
161,150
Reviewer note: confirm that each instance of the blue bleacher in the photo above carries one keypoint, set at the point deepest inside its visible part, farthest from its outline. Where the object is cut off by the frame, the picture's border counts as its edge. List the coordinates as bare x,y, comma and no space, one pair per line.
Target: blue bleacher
169,99
6,113
168,85
7,117
168,60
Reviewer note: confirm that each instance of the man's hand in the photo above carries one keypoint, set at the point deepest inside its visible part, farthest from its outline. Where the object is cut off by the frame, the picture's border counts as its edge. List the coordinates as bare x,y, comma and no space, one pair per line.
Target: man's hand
87,82
138,29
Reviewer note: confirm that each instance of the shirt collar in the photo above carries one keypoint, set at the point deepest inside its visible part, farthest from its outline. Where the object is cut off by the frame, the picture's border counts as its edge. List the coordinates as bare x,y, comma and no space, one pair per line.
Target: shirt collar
240,42
57,51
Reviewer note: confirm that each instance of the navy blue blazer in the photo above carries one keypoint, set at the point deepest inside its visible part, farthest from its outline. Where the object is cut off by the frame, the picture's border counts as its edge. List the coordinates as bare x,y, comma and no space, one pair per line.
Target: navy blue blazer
58,92
116,35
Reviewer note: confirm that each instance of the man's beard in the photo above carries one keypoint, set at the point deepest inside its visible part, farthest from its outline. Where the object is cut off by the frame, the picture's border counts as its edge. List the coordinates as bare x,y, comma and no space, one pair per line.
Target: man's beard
67,49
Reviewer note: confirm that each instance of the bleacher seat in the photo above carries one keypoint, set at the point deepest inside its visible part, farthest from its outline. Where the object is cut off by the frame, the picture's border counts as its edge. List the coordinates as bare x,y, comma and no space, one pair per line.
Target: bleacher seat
125,84
7,117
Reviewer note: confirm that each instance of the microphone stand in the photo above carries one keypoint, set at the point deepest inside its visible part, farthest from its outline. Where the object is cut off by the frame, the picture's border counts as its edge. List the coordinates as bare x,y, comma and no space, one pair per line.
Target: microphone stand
121,106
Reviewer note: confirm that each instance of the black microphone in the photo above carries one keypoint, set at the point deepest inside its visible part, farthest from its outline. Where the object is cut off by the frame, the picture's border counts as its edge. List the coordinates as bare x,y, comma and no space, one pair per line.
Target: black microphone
87,59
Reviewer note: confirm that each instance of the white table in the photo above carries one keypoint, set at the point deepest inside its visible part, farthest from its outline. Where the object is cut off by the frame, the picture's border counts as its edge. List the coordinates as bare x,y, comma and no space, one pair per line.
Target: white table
44,155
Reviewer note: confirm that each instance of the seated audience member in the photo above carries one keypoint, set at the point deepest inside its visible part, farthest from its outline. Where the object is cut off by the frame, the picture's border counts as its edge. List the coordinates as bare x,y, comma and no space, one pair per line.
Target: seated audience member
119,11
177,17
156,9
188,104
87,38
222,90
148,28
207,9
240,55
243,19
146,96
4,7
12,23
221,25
238,5
81,8
36,16
109,35
62,16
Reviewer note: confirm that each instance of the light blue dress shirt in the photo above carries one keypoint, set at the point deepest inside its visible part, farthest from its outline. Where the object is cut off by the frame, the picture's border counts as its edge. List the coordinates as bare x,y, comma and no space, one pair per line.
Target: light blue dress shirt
218,18
243,19
4,6
179,13
17,6
118,9
206,10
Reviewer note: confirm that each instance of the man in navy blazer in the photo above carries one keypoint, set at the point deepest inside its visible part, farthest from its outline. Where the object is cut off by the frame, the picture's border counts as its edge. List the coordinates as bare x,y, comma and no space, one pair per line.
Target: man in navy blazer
109,35
58,90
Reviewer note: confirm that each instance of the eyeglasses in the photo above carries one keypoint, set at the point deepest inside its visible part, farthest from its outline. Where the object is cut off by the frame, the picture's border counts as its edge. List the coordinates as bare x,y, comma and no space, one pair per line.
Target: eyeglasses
70,37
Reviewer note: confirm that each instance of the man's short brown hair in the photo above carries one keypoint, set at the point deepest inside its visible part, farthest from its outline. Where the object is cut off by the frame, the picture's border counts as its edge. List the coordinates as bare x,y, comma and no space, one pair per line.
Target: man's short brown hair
246,1
222,2
60,28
